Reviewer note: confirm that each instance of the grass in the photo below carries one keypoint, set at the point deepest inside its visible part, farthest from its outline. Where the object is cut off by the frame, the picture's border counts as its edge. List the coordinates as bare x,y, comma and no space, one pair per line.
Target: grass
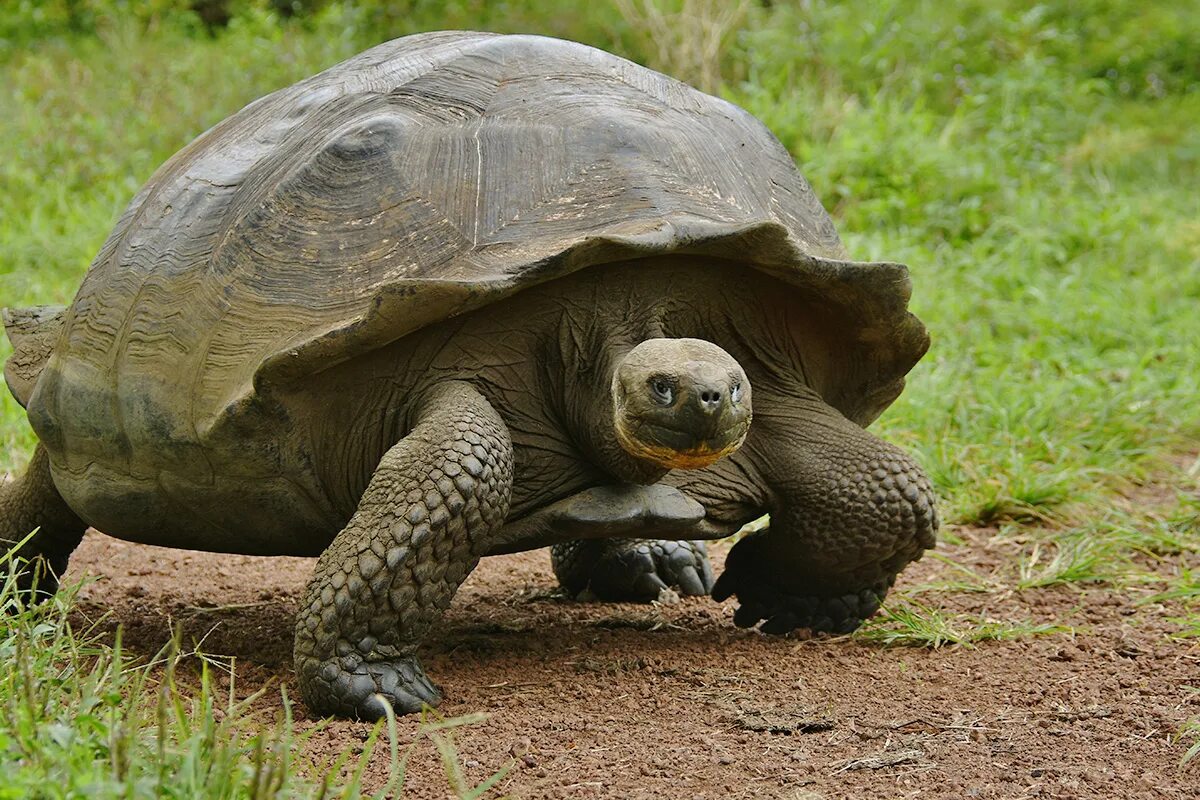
1075,559
77,715
80,719
1183,587
910,624
1035,164
1190,733
688,39
957,578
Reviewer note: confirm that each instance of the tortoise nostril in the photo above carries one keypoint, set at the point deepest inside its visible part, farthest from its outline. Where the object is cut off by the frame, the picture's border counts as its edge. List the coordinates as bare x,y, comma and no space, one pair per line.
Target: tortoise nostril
710,398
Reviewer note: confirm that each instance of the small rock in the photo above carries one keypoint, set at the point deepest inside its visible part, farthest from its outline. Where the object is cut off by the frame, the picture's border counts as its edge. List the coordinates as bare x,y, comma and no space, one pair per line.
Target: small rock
781,720
520,747
888,758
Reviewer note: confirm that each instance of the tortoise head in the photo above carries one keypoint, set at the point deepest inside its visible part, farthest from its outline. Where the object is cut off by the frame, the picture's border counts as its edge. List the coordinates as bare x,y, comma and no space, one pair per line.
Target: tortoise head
680,403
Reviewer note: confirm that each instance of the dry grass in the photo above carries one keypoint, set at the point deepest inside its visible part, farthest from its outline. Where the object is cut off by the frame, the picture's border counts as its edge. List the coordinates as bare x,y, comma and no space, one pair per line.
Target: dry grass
688,38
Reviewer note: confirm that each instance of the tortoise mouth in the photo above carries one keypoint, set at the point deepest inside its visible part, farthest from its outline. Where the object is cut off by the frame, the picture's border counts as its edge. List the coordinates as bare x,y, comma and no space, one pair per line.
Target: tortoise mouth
673,448
680,403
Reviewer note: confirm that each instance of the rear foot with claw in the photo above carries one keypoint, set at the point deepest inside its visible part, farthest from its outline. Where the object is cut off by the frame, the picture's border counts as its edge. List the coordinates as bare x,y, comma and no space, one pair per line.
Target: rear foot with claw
639,569
360,691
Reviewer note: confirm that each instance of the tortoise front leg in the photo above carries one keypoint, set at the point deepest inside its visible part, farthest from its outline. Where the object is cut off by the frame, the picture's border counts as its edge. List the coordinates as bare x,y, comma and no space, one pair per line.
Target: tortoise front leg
419,530
848,512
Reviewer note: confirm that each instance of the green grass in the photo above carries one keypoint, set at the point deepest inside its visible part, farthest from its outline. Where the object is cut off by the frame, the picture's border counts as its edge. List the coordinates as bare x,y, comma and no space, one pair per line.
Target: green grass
1190,734
910,624
1034,163
1183,588
1074,559
78,718
957,578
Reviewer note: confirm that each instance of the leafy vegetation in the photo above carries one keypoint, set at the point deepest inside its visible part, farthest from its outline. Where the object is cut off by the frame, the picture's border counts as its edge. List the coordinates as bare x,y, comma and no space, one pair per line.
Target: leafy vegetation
1035,164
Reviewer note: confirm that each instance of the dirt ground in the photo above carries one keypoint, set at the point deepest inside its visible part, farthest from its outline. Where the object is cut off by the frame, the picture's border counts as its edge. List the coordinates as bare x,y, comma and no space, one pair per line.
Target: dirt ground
673,701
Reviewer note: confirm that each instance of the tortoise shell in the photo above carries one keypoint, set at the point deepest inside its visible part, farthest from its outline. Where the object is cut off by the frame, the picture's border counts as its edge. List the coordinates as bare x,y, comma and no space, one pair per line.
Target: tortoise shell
431,176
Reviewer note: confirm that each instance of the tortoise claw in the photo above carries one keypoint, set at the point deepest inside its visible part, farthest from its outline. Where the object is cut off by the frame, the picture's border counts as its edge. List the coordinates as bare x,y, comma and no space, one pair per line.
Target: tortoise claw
638,570
642,572
361,692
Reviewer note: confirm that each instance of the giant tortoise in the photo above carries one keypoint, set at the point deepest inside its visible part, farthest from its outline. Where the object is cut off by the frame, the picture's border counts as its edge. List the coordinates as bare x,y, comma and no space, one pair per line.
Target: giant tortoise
467,294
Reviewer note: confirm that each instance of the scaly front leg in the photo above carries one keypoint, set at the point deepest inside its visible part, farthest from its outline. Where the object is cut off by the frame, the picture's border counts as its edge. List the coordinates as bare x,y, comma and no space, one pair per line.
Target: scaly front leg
420,528
848,512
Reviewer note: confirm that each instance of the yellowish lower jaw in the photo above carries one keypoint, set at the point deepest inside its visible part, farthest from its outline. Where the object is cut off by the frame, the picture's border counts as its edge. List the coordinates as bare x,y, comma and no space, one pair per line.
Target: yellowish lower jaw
699,458
669,458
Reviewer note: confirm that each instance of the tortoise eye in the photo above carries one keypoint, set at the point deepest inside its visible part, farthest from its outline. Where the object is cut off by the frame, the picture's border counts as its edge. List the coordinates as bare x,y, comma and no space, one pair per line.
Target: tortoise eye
662,391
735,392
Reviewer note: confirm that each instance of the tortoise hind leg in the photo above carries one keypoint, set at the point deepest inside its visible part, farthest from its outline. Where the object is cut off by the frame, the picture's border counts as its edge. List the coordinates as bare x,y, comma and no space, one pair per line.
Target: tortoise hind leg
632,569
427,516
31,502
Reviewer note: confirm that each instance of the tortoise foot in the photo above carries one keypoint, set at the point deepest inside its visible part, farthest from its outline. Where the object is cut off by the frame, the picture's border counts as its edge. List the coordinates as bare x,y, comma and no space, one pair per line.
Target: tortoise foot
780,610
637,569
360,692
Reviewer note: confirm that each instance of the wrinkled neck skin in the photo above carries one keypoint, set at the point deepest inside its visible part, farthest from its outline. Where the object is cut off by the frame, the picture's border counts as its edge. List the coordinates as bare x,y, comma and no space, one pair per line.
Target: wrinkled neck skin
585,400
545,360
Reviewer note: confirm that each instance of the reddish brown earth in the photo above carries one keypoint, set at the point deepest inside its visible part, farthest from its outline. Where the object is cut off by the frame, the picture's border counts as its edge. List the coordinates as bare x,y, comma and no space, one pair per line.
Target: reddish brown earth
673,701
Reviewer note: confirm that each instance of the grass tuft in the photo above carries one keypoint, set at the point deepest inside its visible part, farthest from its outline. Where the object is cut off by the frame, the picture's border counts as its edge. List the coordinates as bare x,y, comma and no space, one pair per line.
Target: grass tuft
1190,731
963,579
1076,558
912,624
78,713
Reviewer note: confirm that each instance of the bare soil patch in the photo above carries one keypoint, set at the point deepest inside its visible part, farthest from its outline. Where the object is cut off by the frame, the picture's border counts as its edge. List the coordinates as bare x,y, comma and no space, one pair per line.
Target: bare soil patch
672,701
